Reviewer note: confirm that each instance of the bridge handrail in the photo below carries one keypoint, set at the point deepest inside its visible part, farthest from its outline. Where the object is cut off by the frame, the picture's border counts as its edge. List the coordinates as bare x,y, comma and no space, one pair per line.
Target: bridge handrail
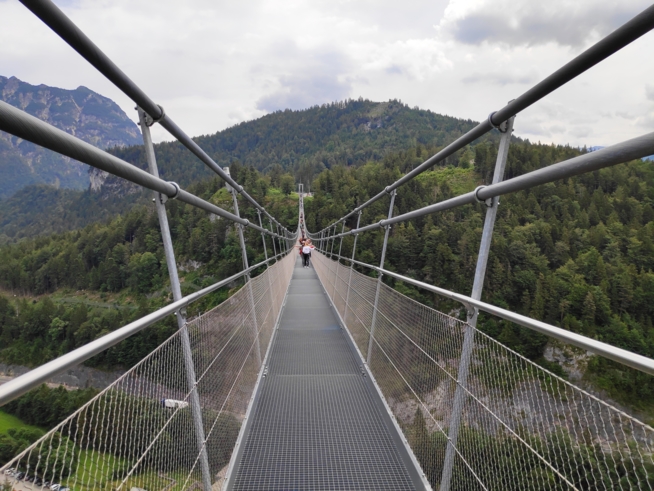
510,401
633,360
25,126
54,18
24,383
618,39
619,153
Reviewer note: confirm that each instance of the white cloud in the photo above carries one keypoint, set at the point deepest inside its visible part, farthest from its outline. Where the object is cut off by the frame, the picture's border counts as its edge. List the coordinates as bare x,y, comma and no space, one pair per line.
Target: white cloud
212,65
502,78
308,77
649,91
418,59
530,23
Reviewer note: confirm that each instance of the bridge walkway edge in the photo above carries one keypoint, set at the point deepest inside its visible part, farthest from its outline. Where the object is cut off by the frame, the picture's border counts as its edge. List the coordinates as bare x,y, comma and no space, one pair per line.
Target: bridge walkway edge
317,421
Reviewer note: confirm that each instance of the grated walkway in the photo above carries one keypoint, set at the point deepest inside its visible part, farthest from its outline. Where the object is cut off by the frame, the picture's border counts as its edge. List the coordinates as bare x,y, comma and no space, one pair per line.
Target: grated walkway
317,423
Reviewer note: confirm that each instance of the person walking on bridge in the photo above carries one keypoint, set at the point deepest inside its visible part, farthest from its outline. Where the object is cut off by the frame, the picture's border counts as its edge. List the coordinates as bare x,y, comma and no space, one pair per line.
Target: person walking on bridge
306,252
302,240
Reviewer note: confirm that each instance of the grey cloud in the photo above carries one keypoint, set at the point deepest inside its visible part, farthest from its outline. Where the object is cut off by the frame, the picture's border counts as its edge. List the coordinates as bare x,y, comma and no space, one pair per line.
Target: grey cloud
581,131
394,69
536,23
302,91
312,78
649,91
501,78
534,128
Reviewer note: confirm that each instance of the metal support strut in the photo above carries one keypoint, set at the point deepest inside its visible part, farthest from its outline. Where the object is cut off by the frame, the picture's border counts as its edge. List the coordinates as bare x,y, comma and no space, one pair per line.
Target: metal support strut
338,261
244,254
379,279
331,250
469,337
265,252
272,238
349,279
159,201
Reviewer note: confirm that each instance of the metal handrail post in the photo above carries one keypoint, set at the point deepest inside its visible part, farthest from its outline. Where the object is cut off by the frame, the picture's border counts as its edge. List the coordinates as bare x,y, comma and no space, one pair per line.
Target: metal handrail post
379,279
331,250
159,201
340,246
338,261
349,279
283,243
469,336
265,253
272,239
263,236
279,238
246,278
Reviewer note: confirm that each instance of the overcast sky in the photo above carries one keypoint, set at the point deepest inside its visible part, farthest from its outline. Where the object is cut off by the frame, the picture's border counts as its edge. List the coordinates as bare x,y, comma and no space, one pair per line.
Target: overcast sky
212,64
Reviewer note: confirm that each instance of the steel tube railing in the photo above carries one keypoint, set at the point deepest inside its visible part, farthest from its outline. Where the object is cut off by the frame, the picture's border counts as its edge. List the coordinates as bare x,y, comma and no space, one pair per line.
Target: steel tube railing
30,128
66,29
461,395
633,360
176,290
619,153
379,278
618,39
18,386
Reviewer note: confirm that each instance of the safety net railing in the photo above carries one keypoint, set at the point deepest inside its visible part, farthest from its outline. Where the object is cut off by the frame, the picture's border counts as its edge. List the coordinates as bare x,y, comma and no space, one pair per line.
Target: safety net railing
170,422
140,432
521,427
478,415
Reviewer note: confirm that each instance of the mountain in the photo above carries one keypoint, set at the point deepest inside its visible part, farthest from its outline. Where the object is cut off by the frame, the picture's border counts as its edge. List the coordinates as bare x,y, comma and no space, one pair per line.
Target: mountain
301,142
40,209
307,141
80,112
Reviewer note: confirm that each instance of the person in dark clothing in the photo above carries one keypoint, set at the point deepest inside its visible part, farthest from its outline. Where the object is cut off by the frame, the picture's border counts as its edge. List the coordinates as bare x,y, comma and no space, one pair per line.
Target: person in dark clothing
306,252
302,241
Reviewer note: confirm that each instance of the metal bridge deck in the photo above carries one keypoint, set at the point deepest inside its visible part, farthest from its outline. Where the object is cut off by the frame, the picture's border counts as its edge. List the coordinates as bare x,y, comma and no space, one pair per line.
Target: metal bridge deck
317,423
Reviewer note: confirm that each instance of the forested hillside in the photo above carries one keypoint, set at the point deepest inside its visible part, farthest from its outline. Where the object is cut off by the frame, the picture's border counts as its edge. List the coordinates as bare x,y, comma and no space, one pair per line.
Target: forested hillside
123,260
578,253
300,142
44,210
307,141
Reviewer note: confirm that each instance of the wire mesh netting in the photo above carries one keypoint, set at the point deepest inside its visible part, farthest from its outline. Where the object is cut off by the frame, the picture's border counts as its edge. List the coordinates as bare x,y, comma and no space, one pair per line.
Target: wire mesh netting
521,427
140,431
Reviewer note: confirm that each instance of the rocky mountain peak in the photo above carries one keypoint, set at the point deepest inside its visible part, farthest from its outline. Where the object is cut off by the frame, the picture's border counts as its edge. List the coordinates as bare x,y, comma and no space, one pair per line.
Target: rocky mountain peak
81,112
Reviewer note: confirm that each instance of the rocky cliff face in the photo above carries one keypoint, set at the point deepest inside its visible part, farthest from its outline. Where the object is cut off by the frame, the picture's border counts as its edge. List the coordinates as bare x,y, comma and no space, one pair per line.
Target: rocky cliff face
109,186
80,112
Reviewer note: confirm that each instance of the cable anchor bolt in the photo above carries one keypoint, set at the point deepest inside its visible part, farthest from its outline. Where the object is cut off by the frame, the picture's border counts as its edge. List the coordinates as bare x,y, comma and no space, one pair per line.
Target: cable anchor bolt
488,202
149,120
503,127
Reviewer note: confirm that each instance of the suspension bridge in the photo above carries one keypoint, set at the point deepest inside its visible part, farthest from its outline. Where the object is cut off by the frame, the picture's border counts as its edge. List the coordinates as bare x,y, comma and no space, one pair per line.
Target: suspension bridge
327,378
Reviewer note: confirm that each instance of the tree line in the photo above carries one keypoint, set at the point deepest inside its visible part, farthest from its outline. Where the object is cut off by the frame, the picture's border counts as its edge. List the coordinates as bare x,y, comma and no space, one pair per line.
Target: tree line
125,256
577,253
